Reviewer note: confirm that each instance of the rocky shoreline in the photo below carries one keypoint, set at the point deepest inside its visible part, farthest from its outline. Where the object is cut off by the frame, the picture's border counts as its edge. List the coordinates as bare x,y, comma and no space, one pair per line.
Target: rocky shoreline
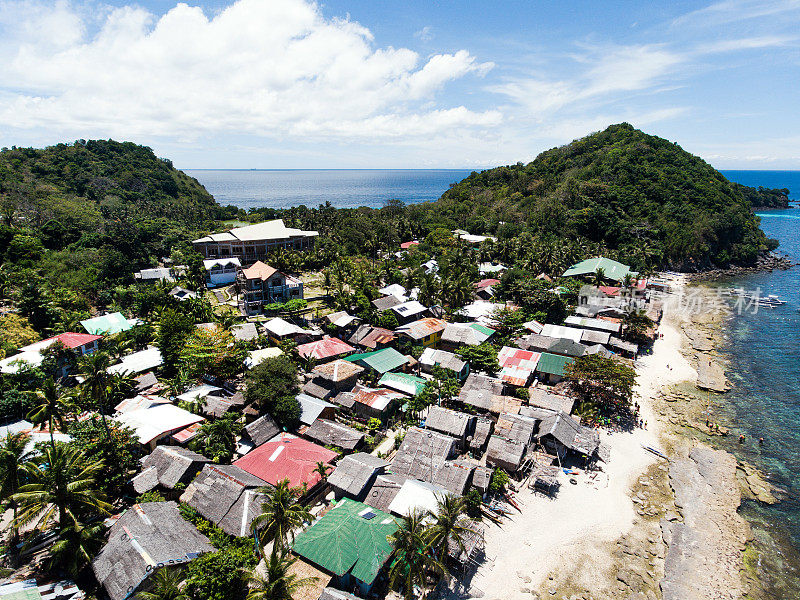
770,261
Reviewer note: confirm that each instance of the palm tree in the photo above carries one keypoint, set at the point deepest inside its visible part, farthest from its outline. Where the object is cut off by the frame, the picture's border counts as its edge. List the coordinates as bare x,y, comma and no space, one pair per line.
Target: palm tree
280,514
447,525
411,556
13,473
599,277
76,547
322,469
96,381
276,583
165,585
52,407
63,487
218,438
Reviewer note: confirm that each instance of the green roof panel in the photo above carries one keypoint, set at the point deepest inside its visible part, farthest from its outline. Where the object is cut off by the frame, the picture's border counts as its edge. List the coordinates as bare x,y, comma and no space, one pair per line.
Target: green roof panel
409,384
381,361
107,324
553,364
350,537
611,268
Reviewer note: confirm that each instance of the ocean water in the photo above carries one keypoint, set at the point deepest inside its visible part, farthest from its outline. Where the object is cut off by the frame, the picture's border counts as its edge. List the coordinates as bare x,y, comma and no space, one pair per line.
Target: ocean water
343,188
763,351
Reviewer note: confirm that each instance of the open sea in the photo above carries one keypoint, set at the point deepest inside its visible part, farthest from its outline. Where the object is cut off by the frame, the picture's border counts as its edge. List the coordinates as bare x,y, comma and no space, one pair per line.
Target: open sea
763,348
343,188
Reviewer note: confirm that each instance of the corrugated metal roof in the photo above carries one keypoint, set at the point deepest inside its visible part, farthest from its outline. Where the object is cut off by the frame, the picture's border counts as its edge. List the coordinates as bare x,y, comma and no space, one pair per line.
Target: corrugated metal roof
327,347
553,364
286,457
107,324
382,361
402,382
517,365
611,268
418,330
349,538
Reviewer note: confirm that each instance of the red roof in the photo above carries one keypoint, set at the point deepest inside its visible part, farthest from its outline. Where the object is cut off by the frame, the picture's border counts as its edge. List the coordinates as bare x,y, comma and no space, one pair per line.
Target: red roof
286,457
484,283
327,347
407,245
75,340
609,290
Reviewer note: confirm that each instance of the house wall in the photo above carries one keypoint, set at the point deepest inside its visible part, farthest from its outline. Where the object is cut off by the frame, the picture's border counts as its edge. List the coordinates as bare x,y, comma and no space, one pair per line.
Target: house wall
250,252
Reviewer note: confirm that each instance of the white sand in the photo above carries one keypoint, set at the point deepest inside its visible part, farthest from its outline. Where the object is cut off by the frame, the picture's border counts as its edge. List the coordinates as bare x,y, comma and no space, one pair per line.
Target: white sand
550,534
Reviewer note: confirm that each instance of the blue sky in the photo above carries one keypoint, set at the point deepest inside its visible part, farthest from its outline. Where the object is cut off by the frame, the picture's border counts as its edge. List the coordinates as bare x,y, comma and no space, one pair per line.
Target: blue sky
411,84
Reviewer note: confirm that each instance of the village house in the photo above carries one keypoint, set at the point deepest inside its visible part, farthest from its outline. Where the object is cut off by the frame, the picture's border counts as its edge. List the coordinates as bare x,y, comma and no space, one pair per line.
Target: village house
261,284
386,303
109,324
486,393
369,403
324,350
464,334
221,271
168,466
256,433
355,473
181,294
280,330
450,422
409,311
517,365
287,456
371,338
255,242
144,539
611,270
404,383
157,274
314,408
432,357
157,421
551,368
332,378
426,332
226,495
80,344
355,559
331,433
381,361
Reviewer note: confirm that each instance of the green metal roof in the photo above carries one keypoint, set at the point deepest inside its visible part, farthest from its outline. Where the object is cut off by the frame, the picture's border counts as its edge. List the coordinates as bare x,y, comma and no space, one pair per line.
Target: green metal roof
553,364
482,329
350,537
107,324
404,382
381,361
611,268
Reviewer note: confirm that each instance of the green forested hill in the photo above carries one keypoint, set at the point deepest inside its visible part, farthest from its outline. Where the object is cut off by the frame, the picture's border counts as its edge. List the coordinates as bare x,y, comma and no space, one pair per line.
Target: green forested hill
84,216
637,196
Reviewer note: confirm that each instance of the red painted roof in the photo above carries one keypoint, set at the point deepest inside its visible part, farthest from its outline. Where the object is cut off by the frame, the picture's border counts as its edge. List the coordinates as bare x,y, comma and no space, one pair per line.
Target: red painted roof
484,283
407,245
609,290
327,347
286,457
75,340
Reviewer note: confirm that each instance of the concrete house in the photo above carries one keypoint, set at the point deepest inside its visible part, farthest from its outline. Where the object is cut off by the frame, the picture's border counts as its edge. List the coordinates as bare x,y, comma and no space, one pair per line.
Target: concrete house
261,284
252,243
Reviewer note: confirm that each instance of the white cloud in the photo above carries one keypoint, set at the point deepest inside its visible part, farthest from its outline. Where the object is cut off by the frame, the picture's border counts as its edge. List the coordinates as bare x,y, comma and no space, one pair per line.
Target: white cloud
425,34
748,43
607,72
274,69
730,11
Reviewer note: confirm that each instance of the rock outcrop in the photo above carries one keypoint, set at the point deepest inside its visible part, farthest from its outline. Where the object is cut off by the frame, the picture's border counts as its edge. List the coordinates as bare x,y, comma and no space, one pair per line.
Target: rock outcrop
704,552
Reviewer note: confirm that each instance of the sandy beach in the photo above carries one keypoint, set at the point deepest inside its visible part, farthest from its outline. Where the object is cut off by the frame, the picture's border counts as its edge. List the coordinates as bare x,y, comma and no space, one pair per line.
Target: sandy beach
600,538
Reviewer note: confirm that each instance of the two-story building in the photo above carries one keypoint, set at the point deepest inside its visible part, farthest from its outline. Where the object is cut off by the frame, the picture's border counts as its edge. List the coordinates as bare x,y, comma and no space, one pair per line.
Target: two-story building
221,271
254,242
261,284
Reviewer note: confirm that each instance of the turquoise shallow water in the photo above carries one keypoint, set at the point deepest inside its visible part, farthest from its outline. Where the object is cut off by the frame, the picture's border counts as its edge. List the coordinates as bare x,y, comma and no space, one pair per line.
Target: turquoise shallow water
763,350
